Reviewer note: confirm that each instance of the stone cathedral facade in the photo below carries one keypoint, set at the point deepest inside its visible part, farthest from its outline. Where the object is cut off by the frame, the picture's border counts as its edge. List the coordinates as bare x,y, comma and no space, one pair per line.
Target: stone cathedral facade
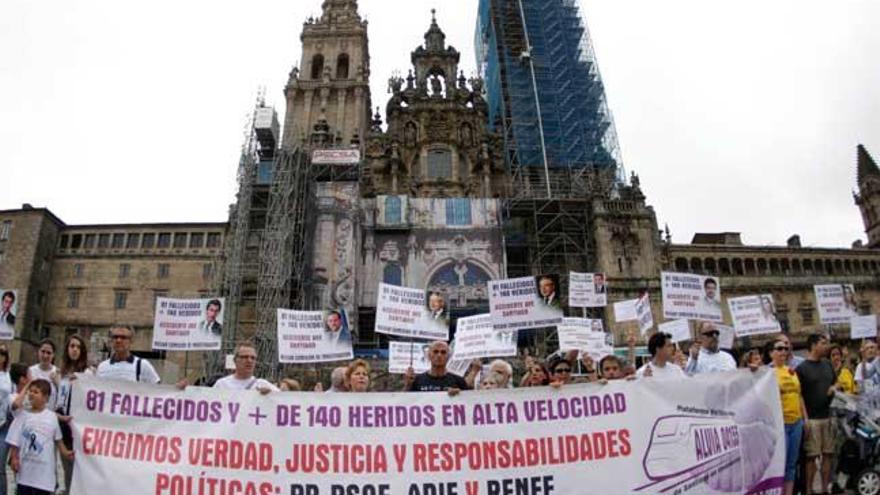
424,206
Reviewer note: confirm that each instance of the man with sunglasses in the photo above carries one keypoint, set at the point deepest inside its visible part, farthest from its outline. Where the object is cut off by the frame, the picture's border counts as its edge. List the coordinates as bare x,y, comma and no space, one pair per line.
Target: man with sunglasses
705,356
123,365
662,350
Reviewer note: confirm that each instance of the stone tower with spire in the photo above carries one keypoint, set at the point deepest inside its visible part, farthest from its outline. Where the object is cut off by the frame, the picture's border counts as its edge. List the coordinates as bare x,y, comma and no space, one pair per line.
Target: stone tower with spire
331,87
868,197
438,143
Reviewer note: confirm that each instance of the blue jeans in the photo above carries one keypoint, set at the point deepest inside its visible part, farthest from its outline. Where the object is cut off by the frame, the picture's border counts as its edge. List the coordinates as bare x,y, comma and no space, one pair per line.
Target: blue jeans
4,451
793,434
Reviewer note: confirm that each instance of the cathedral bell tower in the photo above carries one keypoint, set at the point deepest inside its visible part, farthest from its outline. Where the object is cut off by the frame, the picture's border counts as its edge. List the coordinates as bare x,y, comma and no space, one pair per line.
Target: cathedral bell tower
868,197
331,87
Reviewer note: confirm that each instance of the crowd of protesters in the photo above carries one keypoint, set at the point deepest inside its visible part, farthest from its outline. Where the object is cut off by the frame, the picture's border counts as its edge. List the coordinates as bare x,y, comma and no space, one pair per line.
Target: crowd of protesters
39,396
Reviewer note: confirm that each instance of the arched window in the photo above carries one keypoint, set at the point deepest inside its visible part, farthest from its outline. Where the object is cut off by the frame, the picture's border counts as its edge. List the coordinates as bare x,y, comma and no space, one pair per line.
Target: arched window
393,274
317,66
342,66
681,264
696,265
724,266
711,266
392,210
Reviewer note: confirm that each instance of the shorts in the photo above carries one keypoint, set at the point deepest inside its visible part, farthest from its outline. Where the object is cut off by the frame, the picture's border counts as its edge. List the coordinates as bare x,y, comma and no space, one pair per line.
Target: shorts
29,490
819,438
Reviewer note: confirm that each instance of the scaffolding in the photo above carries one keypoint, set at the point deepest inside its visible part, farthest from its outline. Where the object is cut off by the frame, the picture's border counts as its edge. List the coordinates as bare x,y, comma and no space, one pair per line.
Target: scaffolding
544,89
284,250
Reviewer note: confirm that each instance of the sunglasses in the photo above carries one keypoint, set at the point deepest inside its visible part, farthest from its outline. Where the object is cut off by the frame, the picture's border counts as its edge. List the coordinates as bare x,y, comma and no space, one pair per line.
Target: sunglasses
713,333
562,370
120,337
783,349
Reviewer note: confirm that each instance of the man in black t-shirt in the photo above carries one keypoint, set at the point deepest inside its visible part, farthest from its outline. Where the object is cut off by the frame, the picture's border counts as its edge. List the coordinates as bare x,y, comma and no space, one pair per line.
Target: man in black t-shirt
437,379
817,387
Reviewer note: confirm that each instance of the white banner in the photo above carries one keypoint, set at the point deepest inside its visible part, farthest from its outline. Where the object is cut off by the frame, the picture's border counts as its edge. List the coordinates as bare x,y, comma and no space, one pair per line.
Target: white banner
188,324
836,303
336,157
402,355
644,313
863,327
753,315
577,334
8,310
726,336
411,313
525,302
625,310
720,434
476,338
679,329
694,297
313,336
587,290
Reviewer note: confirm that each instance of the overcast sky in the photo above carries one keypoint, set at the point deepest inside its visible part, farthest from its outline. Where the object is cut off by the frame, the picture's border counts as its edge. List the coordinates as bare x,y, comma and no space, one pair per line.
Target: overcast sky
737,115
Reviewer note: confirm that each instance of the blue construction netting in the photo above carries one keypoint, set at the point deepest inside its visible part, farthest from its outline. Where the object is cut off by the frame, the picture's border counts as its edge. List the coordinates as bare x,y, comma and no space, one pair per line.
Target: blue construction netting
578,128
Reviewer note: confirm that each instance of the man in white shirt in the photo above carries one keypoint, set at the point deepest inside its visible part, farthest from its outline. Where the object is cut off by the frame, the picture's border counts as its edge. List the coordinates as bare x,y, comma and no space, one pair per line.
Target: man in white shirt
705,356
662,351
45,369
866,375
123,365
243,378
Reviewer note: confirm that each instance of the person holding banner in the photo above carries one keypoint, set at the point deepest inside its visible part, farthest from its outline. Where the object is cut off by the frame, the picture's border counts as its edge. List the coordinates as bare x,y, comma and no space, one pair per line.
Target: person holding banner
123,365
706,357
436,379
357,374
662,351
793,409
243,378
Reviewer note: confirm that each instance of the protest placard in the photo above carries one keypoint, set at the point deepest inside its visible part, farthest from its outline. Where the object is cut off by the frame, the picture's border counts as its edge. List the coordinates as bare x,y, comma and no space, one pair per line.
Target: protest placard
402,355
313,336
753,315
411,313
587,290
188,324
863,327
836,303
476,337
680,330
525,302
690,296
